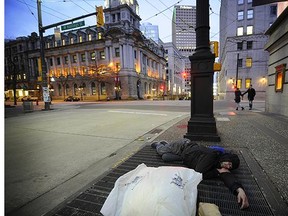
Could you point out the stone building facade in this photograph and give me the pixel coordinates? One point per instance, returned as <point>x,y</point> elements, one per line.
<point>115,61</point>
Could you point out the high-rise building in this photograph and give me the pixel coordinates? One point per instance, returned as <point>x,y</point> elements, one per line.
<point>150,31</point>
<point>184,36</point>
<point>242,40</point>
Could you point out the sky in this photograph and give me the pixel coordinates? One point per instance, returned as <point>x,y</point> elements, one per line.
<point>21,16</point>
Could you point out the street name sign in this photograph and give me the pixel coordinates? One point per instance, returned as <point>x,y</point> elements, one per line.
<point>72,25</point>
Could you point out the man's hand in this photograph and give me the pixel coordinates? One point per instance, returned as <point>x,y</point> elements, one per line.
<point>242,199</point>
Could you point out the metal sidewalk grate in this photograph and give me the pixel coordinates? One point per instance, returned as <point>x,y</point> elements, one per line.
<point>91,200</point>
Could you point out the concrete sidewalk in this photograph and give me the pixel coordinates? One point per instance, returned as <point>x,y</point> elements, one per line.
<point>261,140</point>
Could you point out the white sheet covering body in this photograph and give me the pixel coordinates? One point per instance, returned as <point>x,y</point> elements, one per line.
<point>161,191</point>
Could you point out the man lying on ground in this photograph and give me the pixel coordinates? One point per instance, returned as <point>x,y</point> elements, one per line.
<point>208,161</point>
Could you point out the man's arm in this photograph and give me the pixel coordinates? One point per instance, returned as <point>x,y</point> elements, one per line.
<point>235,187</point>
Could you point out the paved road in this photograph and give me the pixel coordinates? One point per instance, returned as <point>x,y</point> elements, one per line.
<point>50,155</point>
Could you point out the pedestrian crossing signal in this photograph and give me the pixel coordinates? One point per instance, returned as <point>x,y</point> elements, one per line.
<point>100,16</point>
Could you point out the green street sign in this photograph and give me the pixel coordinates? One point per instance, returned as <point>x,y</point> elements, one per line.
<point>72,25</point>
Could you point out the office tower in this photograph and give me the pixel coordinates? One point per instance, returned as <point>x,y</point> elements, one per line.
<point>150,31</point>
<point>184,36</point>
<point>242,40</point>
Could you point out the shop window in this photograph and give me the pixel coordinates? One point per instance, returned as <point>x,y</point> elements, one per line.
<point>248,82</point>
<point>279,77</point>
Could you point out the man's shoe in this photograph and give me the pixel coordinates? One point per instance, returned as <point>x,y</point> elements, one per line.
<point>164,142</point>
<point>242,108</point>
<point>250,108</point>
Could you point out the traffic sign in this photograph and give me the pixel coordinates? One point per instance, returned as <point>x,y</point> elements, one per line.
<point>73,25</point>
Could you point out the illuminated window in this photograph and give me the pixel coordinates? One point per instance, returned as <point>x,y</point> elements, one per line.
<point>240,31</point>
<point>249,30</point>
<point>80,39</point>
<point>240,2</point>
<point>89,37</point>
<point>240,15</point>
<point>71,40</point>
<point>239,83</point>
<point>248,82</point>
<point>248,62</point>
<point>279,77</point>
<point>99,35</point>
<point>63,42</point>
<point>92,55</point>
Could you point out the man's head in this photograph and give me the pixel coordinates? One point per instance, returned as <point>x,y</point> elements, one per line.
<point>229,161</point>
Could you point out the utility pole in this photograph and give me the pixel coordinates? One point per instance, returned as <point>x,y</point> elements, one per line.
<point>45,88</point>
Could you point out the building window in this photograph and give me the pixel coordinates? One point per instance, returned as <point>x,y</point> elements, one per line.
<point>239,45</point>
<point>58,61</point>
<point>239,62</point>
<point>250,14</point>
<point>117,52</point>
<point>89,37</point>
<point>249,30</point>
<point>92,56</point>
<point>71,40</point>
<point>239,83</point>
<point>240,15</point>
<point>248,62</point>
<point>249,1</point>
<point>249,45</point>
<point>93,88</point>
<point>273,10</point>
<point>248,82</point>
<point>66,59</point>
<point>279,77</point>
<point>74,59</point>
<point>83,57</point>
<point>102,55</point>
<point>99,35</point>
<point>240,2</point>
<point>51,61</point>
<point>240,31</point>
<point>80,39</point>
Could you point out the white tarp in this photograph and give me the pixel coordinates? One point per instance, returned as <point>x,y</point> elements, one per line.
<point>153,191</point>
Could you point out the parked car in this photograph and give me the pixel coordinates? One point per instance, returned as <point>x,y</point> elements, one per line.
<point>72,98</point>
<point>29,98</point>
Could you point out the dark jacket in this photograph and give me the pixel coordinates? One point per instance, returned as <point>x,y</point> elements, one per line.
<point>251,93</point>
<point>206,161</point>
<point>238,96</point>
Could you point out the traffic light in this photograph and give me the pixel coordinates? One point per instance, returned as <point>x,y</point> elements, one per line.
<point>214,48</point>
<point>100,16</point>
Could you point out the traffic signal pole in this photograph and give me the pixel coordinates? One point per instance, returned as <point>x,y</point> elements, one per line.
<point>41,28</point>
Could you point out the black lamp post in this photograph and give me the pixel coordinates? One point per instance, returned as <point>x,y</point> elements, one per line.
<point>202,124</point>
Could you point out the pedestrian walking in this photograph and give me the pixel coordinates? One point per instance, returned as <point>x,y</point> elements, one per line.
<point>211,162</point>
<point>251,94</point>
<point>237,99</point>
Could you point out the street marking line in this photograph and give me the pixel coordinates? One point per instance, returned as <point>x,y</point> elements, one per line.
<point>137,113</point>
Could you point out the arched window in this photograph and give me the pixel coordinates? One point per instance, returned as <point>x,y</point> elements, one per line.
<point>93,88</point>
